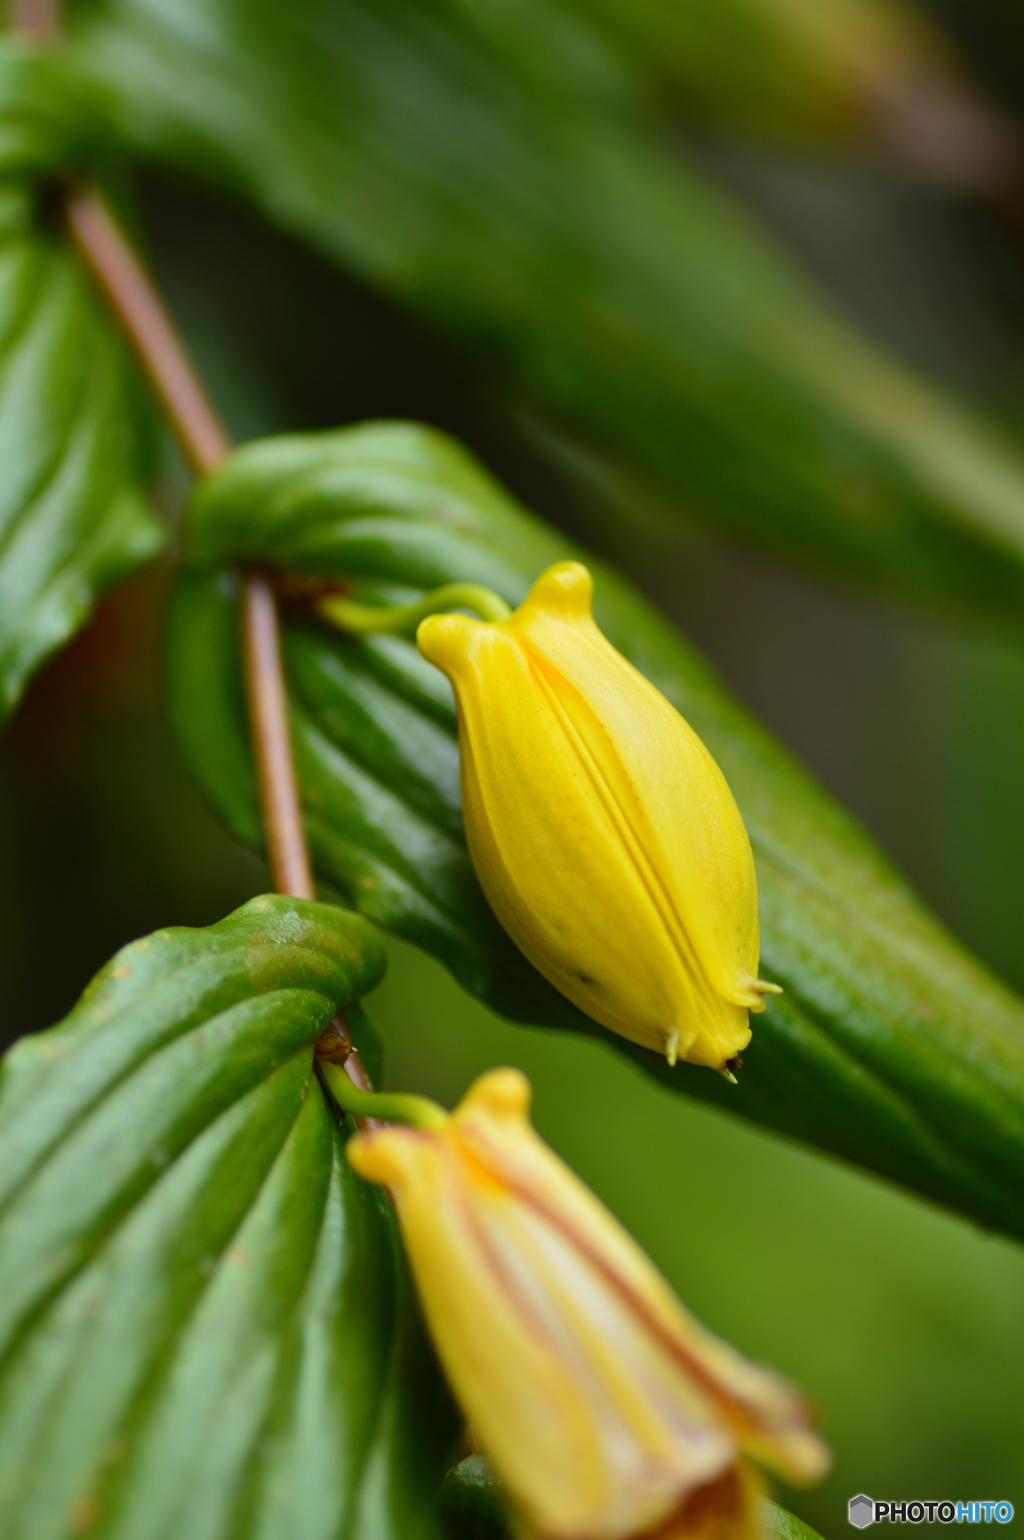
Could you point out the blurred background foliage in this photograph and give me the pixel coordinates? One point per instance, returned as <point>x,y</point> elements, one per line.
<point>881,146</point>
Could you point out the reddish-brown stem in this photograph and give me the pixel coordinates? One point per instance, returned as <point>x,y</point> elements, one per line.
<point>268,714</point>
<point>203,438</point>
<point>204,441</point>
<point>356,1072</point>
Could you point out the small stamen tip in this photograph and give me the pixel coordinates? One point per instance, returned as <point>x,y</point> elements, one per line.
<point>727,1069</point>
<point>672,1048</point>
<point>764,988</point>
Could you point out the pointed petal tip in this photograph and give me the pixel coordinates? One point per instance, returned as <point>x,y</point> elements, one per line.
<point>566,588</point>
<point>503,1092</point>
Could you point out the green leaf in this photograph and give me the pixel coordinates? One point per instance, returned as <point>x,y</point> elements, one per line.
<point>493,169</point>
<point>76,430</point>
<point>473,1507</point>
<point>783,1525</point>
<point>794,72</point>
<point>471,1503</point>
<point>206,1326</point>
<point>891,1046</point>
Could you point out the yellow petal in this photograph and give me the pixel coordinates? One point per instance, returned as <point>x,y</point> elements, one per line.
<point>728,1508</point>
<point>599,1401</point>
<point>603,833</point>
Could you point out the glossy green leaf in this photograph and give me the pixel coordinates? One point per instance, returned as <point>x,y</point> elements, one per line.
<point>206,1327</point>
<point>891,1046</point>
<point>76,433</point>
<point>494,170</point>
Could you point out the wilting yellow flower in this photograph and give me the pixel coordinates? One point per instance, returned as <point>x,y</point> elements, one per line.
<point>604,1408</point>
<point>604,835</point>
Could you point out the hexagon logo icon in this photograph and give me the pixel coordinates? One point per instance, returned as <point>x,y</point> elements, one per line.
<point>862,1511</point>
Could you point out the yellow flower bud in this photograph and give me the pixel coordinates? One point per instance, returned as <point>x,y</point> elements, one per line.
<point>603,833</point>
<point>604,1408</point>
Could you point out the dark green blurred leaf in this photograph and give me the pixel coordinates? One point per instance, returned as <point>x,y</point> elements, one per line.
<point>993,30</point>
<point>492,168</point>
<point>837,68</point>
<point>891,1046</point>
<point>75,427</point>
<point>205,1327</point>
<point>881,74</point>
<point>50,120</point>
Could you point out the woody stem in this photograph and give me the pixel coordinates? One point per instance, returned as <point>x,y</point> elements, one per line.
<point>204,441</point>
<point>132,296</point>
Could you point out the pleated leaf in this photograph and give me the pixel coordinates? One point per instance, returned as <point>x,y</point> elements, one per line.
<point>495,171</point>
<point>206,1327</point>
<point>76,432</point>
<point>891,1046</point>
